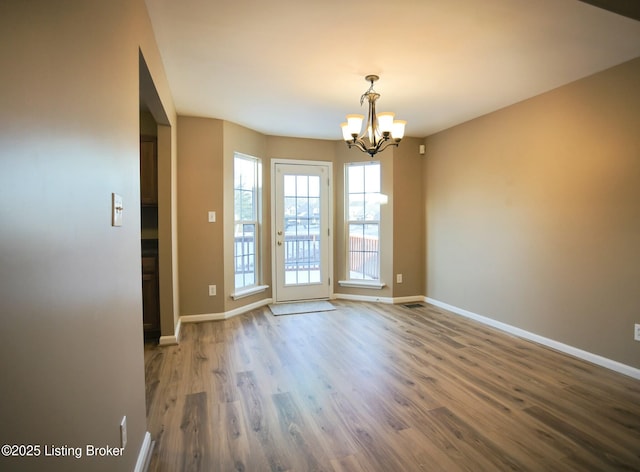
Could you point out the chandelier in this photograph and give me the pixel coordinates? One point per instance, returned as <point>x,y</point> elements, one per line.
<point>381,130</point>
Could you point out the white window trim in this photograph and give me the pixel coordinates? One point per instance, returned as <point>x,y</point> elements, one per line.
<point>374,284</point>
<point>248,291</point>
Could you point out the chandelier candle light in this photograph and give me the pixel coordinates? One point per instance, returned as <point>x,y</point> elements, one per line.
<point>381,130</point>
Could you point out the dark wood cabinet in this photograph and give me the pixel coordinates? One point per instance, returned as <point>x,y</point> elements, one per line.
<point>150,297</point>
<point>148,170</point>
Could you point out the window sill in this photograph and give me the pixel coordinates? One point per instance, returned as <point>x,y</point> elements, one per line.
<point>373,284</point>
<point>249,291</point>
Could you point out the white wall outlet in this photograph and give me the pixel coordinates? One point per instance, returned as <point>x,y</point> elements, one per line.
<point>636,332</point>
<point>116,210</point>
<point>123,432</point>
<point>399,278</point>
<point>212,217</point>
<point>212,290</point>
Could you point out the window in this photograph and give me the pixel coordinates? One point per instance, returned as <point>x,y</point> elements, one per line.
<point>363,221</point>
<point>247,180</point>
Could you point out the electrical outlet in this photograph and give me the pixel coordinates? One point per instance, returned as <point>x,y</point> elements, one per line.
<point>399,278</point>
<point>123,432</point>
<point>636,332</point>
<point>212,290</point>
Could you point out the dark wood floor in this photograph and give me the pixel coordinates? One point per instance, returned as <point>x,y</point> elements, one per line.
<point>372,387</point>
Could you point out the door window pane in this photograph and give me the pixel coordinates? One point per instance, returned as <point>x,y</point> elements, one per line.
<point>302,228</point>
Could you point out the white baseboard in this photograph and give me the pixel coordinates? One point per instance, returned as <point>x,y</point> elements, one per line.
<point>224,315</point>
<point>412,299</point>
<point>173,339</point>
<point>202,317</point>
<point>374,299</point>
<point>145,454</point>
<point>362,298</point>
<point>573,351</point>
<point>244,309</point>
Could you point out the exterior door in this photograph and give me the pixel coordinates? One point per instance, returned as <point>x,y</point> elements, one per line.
<point>302,243</point>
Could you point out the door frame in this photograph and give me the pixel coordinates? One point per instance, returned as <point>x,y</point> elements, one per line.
<point>330,203</point>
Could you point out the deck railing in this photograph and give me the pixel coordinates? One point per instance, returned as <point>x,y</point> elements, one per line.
<point>363,256</point>
<point>303,252</point>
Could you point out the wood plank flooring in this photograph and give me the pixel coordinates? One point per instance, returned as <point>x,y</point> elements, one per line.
<point>372,387</point>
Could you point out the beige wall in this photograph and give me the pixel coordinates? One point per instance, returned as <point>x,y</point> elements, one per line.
<point>534,215</point>
<point>205,173</point>
<point>70,300</point>
<point>408,219</point>
<point>200,243</point>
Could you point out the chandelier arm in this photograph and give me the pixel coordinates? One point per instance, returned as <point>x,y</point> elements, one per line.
<point>388,143</point>
<point>383,144</point>
<point>358,144</point>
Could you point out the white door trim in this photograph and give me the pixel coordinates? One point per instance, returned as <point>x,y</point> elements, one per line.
<point>329,166</point>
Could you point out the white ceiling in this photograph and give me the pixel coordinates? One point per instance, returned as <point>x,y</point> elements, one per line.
<point>296,67</point>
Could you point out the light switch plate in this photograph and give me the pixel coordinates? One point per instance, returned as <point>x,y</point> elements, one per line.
<point>116,210</point>
<point>212,217</point>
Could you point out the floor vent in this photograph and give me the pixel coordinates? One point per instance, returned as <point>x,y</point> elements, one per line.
<point>413,305</point>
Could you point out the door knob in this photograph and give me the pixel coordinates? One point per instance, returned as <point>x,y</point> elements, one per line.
<point>279,233</point>
<point>279,243</point>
